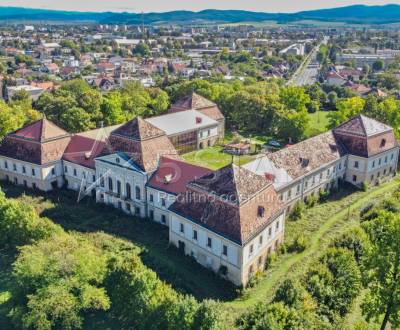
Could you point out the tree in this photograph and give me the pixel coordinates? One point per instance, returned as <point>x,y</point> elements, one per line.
<point>347,109</point>
<point>334,282</point>
<point>332,99</point>
<point>58,280</point>
<point>76,120</point>
<point>378,65</point>
<point>382,269</point>
<point>142,49</point>
<point>20,224</point>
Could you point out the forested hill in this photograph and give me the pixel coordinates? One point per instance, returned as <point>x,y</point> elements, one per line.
<point>352,14</point>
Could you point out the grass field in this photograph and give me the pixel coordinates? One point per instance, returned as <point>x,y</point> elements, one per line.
<point>319,225</point>
<point>318,123</point>
<point>214,158</point>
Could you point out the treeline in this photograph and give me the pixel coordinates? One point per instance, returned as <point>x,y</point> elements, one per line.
<point>68,280</point>
<point>259,108</point>
<point>366,257</point>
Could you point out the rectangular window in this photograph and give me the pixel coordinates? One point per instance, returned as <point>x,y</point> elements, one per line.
<point>23,169</point>
<point>14,167</point>
<point>163,203</point>
<point>53,171</point>
<point>195,235</point>
<point>128,207</point>
<point>6,164</point>
<point>163,219</point>
<point>225,250</point>
<point>380,161</point>
<point>209,242</point>
<point>251,250</point>
<point>356,164</point>
<point>65,169</point>
<point>75,173</point>
<point>151,198</point>
<point>33,172</point>
<point>354,178</point>
<point>269,231</point>
<point>182,228</point>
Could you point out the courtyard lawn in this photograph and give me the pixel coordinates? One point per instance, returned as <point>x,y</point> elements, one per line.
<point>318,123</point>
<point>215,159</point>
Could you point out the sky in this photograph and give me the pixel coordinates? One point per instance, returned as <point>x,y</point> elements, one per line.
<point>169,5</point>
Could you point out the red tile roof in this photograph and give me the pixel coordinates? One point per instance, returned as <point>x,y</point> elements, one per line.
<point>83,150</point>
<point>40,143</point>
<point>143,142</point>
<point>40,131</point>
<point>214,203</point>
<point>197,102</point>
<point>173,175</point>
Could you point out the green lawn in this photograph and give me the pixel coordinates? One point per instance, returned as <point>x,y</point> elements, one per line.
<point>214,158</point>
<point>318,123</point>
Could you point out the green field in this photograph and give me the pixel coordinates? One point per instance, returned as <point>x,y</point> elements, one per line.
<point>319,225</point>
<point>318,123</point>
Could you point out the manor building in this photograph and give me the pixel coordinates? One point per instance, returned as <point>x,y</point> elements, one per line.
<point>229,220</point>
<point>361,150</point>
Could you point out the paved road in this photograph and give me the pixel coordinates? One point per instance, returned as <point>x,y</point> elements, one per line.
<point>307,73</point>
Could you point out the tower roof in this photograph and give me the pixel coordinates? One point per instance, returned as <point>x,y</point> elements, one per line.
<point>138,129</point>
<point>362,126</point>
<point>41,131</point>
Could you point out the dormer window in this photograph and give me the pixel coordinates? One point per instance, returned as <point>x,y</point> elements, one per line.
<point>383,143</point>
<point>261,211</point>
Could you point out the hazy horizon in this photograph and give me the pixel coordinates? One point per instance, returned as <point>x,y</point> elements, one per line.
<point>272,6</point>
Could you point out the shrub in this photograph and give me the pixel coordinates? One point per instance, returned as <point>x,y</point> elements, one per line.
<point>323,196</point>
<point>298,245</point>
<point>312,200</point>
<point>297,212</point>
<point>364,186</point>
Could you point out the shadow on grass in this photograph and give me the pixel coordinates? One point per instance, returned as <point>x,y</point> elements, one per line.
<point>183,273</point>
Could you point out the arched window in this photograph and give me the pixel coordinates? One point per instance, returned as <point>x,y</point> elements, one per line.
<point>128,191</point>
<point>110,184</point>
<point>137,192</point>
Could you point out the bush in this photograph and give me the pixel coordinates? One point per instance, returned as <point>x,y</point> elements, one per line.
<point>364,186</point>
<point>297,212</point>
<point>312,200</point>
<point>323,196</point>
<point>298,245</point>
<point>355,240</point>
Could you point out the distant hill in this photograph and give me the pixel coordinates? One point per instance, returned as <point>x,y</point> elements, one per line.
<point>358,14</point>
